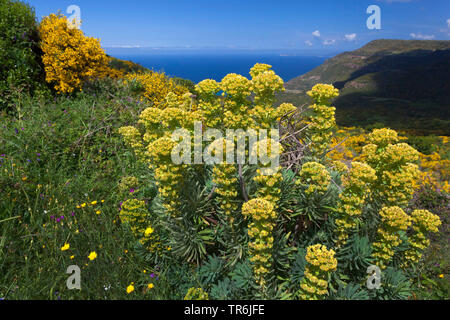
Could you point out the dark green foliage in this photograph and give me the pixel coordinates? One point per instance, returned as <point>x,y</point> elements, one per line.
<point>425,144</point>
<point>395,285</point>
<point>298,267</point>
<point>222,290</point>
<point>21,69</point>
<point>350,292</point>
<point>185,83</point>
<point>126,66</point>
<point>355,256</point>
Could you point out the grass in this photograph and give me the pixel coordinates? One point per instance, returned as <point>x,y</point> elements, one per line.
<point>58,155</point>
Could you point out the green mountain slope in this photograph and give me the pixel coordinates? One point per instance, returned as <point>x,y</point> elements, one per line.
<point>403,84</point>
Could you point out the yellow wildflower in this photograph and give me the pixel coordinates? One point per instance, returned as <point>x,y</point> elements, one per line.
<point>92,255</point>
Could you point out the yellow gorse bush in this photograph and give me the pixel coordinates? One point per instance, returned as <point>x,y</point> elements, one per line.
<point>321,262</point>
<point>70,58</point>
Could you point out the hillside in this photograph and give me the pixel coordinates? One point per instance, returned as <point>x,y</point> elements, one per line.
<point>404,84</point>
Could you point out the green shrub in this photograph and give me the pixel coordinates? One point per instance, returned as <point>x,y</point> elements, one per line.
<point>20,65</point>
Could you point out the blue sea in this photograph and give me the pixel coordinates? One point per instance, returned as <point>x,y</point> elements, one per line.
<point>199,66</point>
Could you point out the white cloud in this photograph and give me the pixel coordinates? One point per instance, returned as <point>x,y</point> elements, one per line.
<point>350,37</point>
<point>329,42</point>
<point>316,34</point>
<point>308,43</point>
<point>421,36</point>
<point>448,23</point>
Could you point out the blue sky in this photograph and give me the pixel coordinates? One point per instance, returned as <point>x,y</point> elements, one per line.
<point>253,24</point>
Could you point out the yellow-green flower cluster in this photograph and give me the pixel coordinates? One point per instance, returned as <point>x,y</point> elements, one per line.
<point>127,183</point>
<point>150,240</point>
<point>225,178</point>
<point>207,88</point>
<point>323,93</point>
<point>260,230</point>
<point>134,213</point>
<point>196,294</point>
<point>169,176</point>
<point>322,120</point>
<point>265,117</point>
<point>209,104</point>
<point>236,108</point>
<point>236,86</point>
<point>393,220</point>
<point>383,137</point>
<point>340,166</point>
<point>265,85</point>
<point>156,86</point>
<point>285,109</point>
<point>321,262</point>
<point>356,183</point>
<point>259,68</point>
<point>268,176</point>
<point>315,177</point>
<point>133,138</point>
<point>150,120</point>
<point>394,165</point>
<point>423,223</point>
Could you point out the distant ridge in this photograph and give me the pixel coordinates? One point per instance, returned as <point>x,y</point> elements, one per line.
<point>403,84</point>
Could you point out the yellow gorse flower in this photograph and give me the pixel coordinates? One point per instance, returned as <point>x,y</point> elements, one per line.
<point>130,288</point>
<point>92,256</point>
